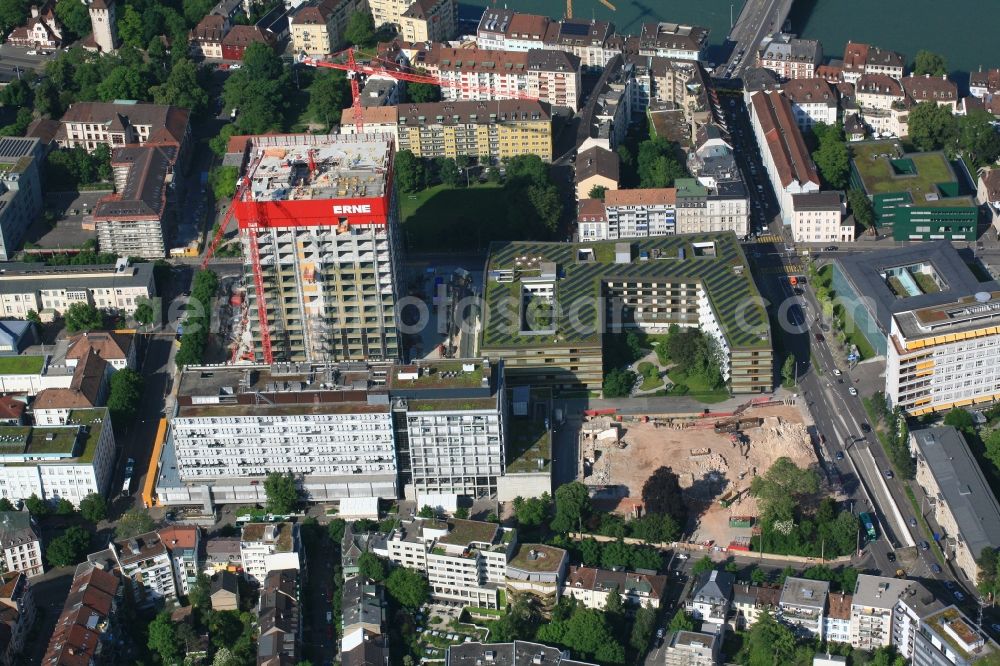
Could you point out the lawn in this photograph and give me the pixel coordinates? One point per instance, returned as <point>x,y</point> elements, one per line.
<point>21,365</point>
<point>443,218</point>
<point>857,337</point>
<point>879,176</point>
<point>650,376</point>
<point>696,388</point>
<point>528,441</point>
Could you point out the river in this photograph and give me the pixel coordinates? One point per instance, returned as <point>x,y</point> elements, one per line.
<point>963,31</point>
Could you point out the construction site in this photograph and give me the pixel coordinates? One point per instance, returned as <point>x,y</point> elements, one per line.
<point>715,456</point>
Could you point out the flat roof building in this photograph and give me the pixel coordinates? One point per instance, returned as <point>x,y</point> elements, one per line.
<point>518,653</point>
<point>803,605</point>
<point>20,191</point>
<point>949,638</point>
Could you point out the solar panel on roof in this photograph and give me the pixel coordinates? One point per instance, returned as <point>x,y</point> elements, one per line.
<point>15,147</point>
<point>575,28</point>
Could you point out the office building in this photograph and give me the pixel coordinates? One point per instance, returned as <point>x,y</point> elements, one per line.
<point>20,191</point>
<point>319,227</point>
<point>872,607</point>
<point>89,124</point>
<point>50,290</point>
<point>949,638</point>
<point>917,195</point>
<point>692,648</point>
<point>790,57</point>
<point>711,596</point>
<point>58,462</point>
<point>317,28</point>
<point>691,280</point>
<point>269,547</point>
<point>789,167</point>
<point>22,547</point>
<point>429,21</point>
<point>518,653</point>
<point>965,508</point>
<point>145,560</point>
<point>673,40</point>
<point>592,587</point>
<point>464,560</point>
<point>279,619</point>
<point>87,629</point>
<point>813,101</point>
<point>802,606</point>
<point>819,217</point>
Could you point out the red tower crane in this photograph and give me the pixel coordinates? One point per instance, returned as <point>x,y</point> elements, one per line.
<point>355,70</point>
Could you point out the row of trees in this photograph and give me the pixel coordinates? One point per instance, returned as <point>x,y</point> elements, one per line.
<point>198,321</point>
<point>73,167</point>
<point>934,127</point>
<point>414,173</point>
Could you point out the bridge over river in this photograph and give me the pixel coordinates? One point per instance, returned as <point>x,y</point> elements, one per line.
<point>757,19</point>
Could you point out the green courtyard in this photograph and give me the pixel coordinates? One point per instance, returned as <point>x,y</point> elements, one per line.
<point>443,218</point>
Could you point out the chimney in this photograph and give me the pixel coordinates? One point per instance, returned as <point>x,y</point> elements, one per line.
<point>34,11</point>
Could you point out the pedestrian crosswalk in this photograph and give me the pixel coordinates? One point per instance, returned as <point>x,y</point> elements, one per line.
<point>770,238</point>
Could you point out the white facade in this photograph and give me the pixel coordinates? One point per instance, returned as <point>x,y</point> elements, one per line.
<point>146,561</point>
<point>818,218</point>
<point>52,290</point>
<point>22,547</point>
<point>636,214</point>
<point>266,547</point>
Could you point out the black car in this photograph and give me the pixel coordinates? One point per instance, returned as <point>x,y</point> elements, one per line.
<point>891,556</point>
<point>924,545</point>
<point>865,427</point>
<point>839,456</point>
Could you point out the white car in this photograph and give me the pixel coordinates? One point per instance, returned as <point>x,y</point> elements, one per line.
<point>837,372</point>
<point>236,65</point>
<point>31,52</point>
<point>852,391</point>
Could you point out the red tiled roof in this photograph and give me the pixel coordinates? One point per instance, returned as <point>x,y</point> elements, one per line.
<point>930,88</point>
<point>109,345</point>
<point>991,179</point>
<point>79,629</point>
<point>179,536</point>
<point>784,140</point>
<point>245,35</point>
<point>591,210</point>
<point>531,26</point>
<point>855,57</point>
<point>879,84</point>
<point>10,407</point>
<point>809,91</point>
<point>644,197</point>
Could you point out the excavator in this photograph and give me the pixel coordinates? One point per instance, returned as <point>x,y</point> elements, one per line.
<point>569,7</point>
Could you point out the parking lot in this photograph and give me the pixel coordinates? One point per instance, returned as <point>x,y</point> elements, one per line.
<point>70,210</point>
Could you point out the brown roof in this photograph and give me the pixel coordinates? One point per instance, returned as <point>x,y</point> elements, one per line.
<point>810,91</point>
<point>831,73</point>
<point>839,606</point>
<point>879,84</point>
<point>78,630</point>
<point>597,161</point>
<point>528,26</point>
<point>884,58</point>
<point>159,117</point>
<point>990,79</point>
<point>372,115</point>
<point>11,408</point>
<point>991,179</point>
<point>245,35</point>
<point>210,29</point>
<point>84,390</point>
<point>784,140</point>
<point>312,14</point>
<point>109,345</point>
<point>139,548</point>
<point>179,536</point>
<point>930,88</point>
<point>421,9</point>
<point>442,57</point>
<point>468,112</point>
<point>855,57</point>
<point>61,398</point>
<point>591,210</point>
<point>590,578</point>
<point>644,197</point>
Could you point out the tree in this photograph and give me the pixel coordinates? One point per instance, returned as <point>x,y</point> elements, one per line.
<point>960,419</point>
<point>222,180</point>
<point>655,528</point>
<point>757,576</point>
<point>661,493</point>
<point>703,565</point>
<point>16,94</point>
<point>335,530</point>
<point>642,629</point>
<point>410,173</point>
<point>419,93</point>
<point>64,507</point>
<point>372,567</point>
<point>427,511</point>
<point>12,14</point>
<point>34,318</point>
<point>657,163</point>
<point>143,311</point>
<point>977,138</point>
<point>597,192</point>
<point>616,554</point>
<point>532,512</point>
<point>37,507</point>
<point>123,83</point>
<point>68,548</point>
<point>5,505</point>
<point>163,639</point>
<point>124,396</point>
<point>572,506</point>
<point>861,206</point>
<point>590,552</point>
<point>327,96</point>
<point>618,383</point>
<point>282,493</point>
<point>407,587</point>
<point>133,523</point>
<point>83,316</point>
<point>200,593</point>
<point>832,157</point>
<point>462,512</point>
<point>927,62</point>
<point>781,487</point>
<point>646,558</point>
<point>933,127</point>
<point>360,29</point>
<point>788,370</point>
<point>681,621</point>
<point>768,642</point>
<point>447,171</point>
<point>182,87</point>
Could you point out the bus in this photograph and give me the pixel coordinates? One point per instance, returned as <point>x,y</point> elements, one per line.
<point>869,526</point>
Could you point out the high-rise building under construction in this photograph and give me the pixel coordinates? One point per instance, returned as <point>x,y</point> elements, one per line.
<point>319,223</point>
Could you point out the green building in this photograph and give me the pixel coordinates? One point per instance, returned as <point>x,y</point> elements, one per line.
<point>916,195</point>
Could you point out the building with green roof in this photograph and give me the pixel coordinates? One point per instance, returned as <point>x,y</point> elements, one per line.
<point>917,195</point>
<point>547,306</point>
<point>58,462</point>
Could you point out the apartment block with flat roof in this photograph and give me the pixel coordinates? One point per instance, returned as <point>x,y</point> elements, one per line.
<point>268,547</point>
<point>673,40</point>
<point>872,607</point>
<point>949,638</point>
<point>802,606</point>
<point>638,213</point>
<point>915,605</point>
<point>429,21</point>
<point>20,191</point>
<point>144,559</point>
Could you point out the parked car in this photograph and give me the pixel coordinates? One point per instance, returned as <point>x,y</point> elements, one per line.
<point>936,568</point>
<point>837,372</point>
<point>852,391</point>
<point>888,474</point>
<point>31,52</point>
<point>865,427</point>
<point>236,65</point>
<point>891,556</point>
<point>912,522</point>
<point>958,595</point>
<point>839,456</point>
<point>820,337</point>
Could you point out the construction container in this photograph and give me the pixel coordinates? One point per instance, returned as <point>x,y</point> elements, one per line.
<point>741,521</point>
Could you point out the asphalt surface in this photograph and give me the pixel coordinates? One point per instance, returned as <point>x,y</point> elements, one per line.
<point>758,19</point>
<point>16,63</point>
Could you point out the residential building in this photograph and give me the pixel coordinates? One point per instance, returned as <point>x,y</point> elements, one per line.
<point>591,220</point>
<point>790,57</point>
<point>802,606</point>
<point>988,193</point>
<point>17,616</point>
<point>915,605</point>
<point>927,88</point>
<point>50,290</point>
<point>363,606</point>
<point>813,101</point>
<point>131,222</point>
<point>429,21</point>
<point>239,37</point>
<point>42,31</point>
<point>711,596</point>
<point>636,288</point>
<point>20,191</point>
<point>104,23</point>
<point>716,201</point>
<point>269,547</point>
<point>671,83</point>
<point>590,41</point>
<point>837,620</point>
<point>363,649</point>
<point>279,618</point>
<point>88,626</point>
<point>599,167</point>
<point>89,124</point>
<point>317,27</point>
<point>356,544</point>
<point>332,195</point>
<point>388,11</point>
<point>819,217</point>
<point>182,542</point>
<point>965,508</point>
<point>949,638</point>
<point>145,560</point>
<point>692,648</point>
<point>400,414</point>
<point>222,554</point>
<point>860,59</point>
<point>673,40</point>
<point>750,601</point>
<point>205,39</point>
<point>610,110</point>
<point>59,462</point>
<point>225,594</point>
<point>381,92</point>
<point>789,167</point>
<point>592,586</point>
<point>491,33</point>
<point>984,83</point>
<point>518,653</point>
<point>11,410</point>
<point>88,389</point>
<point>537,571</point>
<point>464,560</point>
<point>115,347</point>
<point>916,194</point>
<point>22,547</point>
<point>507,30</point>
<point>872,610</point>
<point>554,77</point>
<point>639,213</point>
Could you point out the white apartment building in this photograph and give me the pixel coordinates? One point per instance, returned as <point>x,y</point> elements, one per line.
<point>637,214</point>
<point>692,648</point>
<point>58,462</point>
<point>818,217</point>
<point>20,191</point>
<point>802,606</point>
<point>813,101</point>
<point>672,40</point>
<point>464,560</point>
<point>182,542</point>
<point>789,167</point>
<point>751,601</point>
<point>50,290</point>
<point>89,124</point>
<point>872,610</point>
<point>949,638</point>
<point>266,547</point>
<point>837,619</point>
<point>505,29</point>
<point>915,605</point>
<point>22,547</point>
<point>716,201</point>
<point>711,597</point>
<point>144,559</point>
